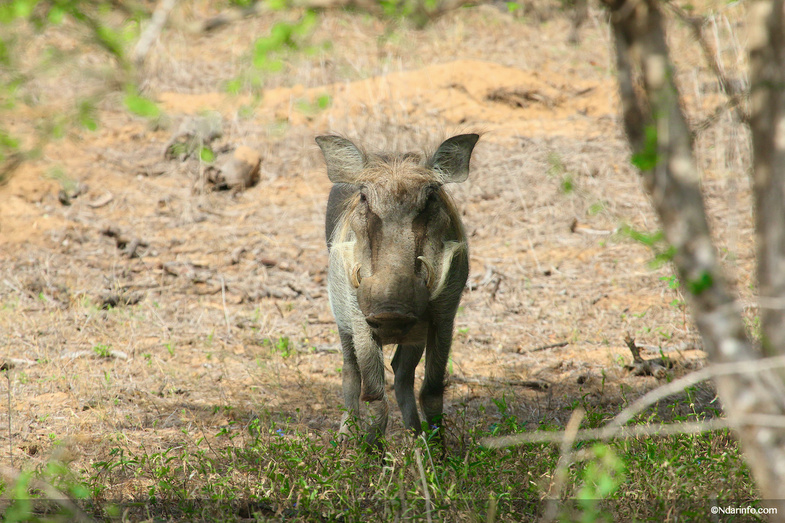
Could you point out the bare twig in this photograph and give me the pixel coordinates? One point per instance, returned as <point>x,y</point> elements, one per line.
<point>706,373</point>
<point>735,93</point>
<point>538,385</point>
<point>637,431</point>
<point>6,367</point>
<point>640,367</point>
<point>426,492</point>
<point>226,312</point>
<point>151,33</point>
<point>563,465</point>
<point>545,347</point>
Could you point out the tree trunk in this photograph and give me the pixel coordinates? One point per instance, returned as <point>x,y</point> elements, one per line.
<point>662,149</point>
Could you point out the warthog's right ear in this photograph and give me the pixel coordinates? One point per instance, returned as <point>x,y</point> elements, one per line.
<point>452,157</point>
<point>344,160</point>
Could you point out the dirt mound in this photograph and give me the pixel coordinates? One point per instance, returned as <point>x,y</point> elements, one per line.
<point>460,93</point>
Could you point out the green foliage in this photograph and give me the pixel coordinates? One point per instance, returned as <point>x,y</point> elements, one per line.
<point>283,347</point>
<point>646,159</point>
<point>87,114</point>
<point>206,154</point>
<point>321,103</point>
<point>556,169</point>
<point>8,145</point>
<point>663,252</point>
<point>48,490</point>
<point>567,184</point>
<point>602,476</point>
<point>23,20</point>
<point>596,208</point>
<point>649,239</point>
<point>700,284</point>
<point>673,284</point>
<point>140,105</point>
<point>103,351</point>
<point>271,466</point>
<point>268,50</point>
<point>419,12</point>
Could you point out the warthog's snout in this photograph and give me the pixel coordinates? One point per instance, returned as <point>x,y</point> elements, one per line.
<point>392,304</point>
<point>391,324</point>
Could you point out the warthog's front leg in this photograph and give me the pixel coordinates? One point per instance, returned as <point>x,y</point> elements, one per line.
<point>404,363</point>
<point>437,354</point>
<point>370,361</point>
<point>351,383</point>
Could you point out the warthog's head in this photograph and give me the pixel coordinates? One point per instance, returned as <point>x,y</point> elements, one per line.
<point>395,228</point>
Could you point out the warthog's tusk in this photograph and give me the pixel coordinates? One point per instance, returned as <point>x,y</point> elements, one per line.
<point>356,278</point>
<point>431,273</point>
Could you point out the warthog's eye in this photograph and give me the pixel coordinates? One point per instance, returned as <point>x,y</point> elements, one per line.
<point>363,201</point>
<point>431,197</point>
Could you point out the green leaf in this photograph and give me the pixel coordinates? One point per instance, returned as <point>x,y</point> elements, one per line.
<point>6,14</point>
<point>305,25</point>
<point>23,8</point>
<point>648,239</point>
<point>272,66</point>
<point>141,106</point>
<point>281,34</point>
<point>56,14</point>
<point>58,129</point>
<point>7,141</point>
<point>701,283</point>
<point>323,101</point>
<point>567,184</point>
<point>206,154</point>
<point>647,158</point>
<point>111,40</point>
<point>233,86</point>
<point>5,57</point>
<point>87,115</point>
<point>663,257</point>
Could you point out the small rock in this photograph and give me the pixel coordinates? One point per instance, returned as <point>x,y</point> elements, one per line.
<point>238,171</point>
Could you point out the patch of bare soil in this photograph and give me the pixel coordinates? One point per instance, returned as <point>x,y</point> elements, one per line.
<point>151,309</point>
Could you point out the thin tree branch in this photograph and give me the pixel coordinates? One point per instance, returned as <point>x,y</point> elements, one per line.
<point>637,431</point>
<point>153,31</point>
<point>736,95</point>
<point>706,373</point>
<point>662,149</point>
<point>563,465</point>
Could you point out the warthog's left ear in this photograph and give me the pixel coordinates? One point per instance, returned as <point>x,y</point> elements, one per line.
<point>452,157</point>
<point>344,160</point>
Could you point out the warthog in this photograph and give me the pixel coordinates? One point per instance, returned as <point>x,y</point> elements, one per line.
<point>398,265</point>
